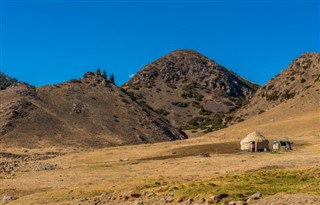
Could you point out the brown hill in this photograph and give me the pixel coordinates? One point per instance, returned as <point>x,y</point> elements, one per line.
<point>190,90</point>
<point>300,80</point>
<point>90,112</point>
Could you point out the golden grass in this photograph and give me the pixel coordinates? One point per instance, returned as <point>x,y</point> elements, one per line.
<point>268,182</point>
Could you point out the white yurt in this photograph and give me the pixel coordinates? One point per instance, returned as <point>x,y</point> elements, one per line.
<point>255,142</point>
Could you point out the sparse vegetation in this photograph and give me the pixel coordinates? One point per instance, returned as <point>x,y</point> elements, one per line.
<point>273,96</point>
<point>75,81</point>
<point>267,182</point>
<point>162,112</point>
<point>210,124</point>
<point>180,104</point>
<point>287,95</point>
<point>6,81</point>
<point>204,111</point>
<point>192,94</point>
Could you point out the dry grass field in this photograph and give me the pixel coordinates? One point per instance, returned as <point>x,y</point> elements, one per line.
<point>175,172</point>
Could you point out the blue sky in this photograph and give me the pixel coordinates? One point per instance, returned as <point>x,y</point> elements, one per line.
<point>47,42</point>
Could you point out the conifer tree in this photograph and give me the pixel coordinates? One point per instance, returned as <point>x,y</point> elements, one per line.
<point>104,74</point>
<point>98,72</point>
<point>111,79</point>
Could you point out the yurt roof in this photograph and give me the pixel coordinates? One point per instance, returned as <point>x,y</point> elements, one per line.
<point>253,137</point>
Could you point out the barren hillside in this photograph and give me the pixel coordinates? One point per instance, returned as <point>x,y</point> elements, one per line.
<point>90,112</point>
<point>301,80</point>
<point>189,89</point>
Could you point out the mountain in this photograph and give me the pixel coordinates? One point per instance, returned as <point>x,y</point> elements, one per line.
<point>90,112</point>
<point>190,90</point>
<point>301,80</point>
<point>6,81</point>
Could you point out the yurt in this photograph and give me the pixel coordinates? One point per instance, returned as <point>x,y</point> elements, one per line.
<point>255,142</point>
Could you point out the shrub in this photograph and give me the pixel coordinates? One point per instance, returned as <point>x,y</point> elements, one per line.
<point>180,104</point>
<point>270,87</point>
<point>75,81</point>
<point>171,86</point>
<point>192,94</point>
<point>204,111</point>
<point>303,80</point>
<point>293,72</point>
<point>162,112</point>
<point>288,95</point>
<point>214,123</point>
<point>272,97</point>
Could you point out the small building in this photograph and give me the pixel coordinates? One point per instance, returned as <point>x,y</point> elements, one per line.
<point>282,145</point>
<point>255,142</point>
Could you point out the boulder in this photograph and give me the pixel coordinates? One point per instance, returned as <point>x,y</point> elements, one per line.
<point>217,198</point>
<point>168,198</point>
<point>257,196</point>
<point>213,199</point>
<point>6,199</point>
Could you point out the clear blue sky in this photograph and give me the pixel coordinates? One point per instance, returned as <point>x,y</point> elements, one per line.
<point>47,42</point>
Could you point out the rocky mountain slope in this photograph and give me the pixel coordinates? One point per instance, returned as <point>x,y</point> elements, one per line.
<point>190,90</point>
<point>300,80</point>
<point>90,112</point>
<point>6,81</point>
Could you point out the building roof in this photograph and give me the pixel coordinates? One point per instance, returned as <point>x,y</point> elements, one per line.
<point>253,137</point>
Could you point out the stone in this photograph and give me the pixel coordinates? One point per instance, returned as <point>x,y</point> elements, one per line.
<point>213,199</point>
<point>150,194</point>
<point>135,194</point>
<point>257,195</point>
<point>169,198</point>
<point>6,199</point>
<point>251,199</point>
<point>232,203</point>
<point>201,200</point>
<point>181,199</point>
<point>189,201</point>
<point>217,198</point>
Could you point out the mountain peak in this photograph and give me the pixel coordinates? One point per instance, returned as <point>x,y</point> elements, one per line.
<point>184,83</point>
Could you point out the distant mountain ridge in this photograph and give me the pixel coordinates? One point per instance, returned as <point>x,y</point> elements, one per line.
<point>189,89</point>
<point>183,89</point>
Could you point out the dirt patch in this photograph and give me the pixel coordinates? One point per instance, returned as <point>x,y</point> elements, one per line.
<point>203,150</point>
<point>289,199</point>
